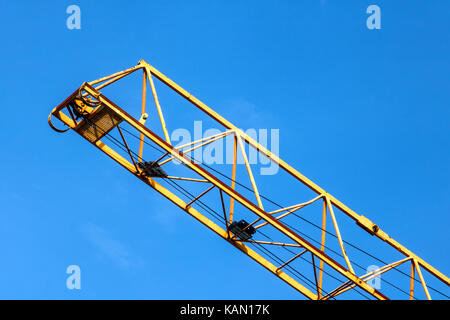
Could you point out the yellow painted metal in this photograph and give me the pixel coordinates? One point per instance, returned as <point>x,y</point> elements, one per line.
<point>233,178</point>
<point>411,287</point>
<point>292,259</point>
<point>218,135</point>
<point>144,98</point>
<point>379,233</point>
<point>128,71</point>
<point>248,226</point>
<point>322,244</point>
<point>238,197</point>
<point>422,280</point>
<point>297,206</point>
<point>128,148</point>
<point>274,243</point>
<point>257,209</point>
<point>338,234</point>
<point>158,106</point>
<point>349,285</point>
<point>249,170</point>
<point>186,179</point>
<point>194,213</point>
<point>291,209</point>
<point>208,141</point>
<point>200,195</point>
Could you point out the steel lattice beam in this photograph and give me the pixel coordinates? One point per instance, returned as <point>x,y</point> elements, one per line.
<point>87,92</point>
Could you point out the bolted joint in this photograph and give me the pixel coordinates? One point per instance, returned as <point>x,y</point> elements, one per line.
<point>143,118</point>
<point>367,225</point>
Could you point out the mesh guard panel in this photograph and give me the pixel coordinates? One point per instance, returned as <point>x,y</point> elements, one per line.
<point>99,123</point>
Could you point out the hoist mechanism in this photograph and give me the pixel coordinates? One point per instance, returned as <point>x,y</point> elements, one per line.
<point>152,169</point>
<point>242,229</point>
<point>108,127</point>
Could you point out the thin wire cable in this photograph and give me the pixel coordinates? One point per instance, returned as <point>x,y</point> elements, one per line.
<point>325,272</point>
<point>264,197</point>
<point>340,255</point>
<point>277,259</point>
<point>306,220</point>
<point>206,207</point>
<point>270,253</point>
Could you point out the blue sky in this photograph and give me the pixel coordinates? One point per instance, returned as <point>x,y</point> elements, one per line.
<point>363,113</point>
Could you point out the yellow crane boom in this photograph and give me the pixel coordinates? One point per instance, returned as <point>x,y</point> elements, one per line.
<point>92,115</point>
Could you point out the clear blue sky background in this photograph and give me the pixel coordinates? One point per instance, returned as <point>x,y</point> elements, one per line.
<point>363,113</point>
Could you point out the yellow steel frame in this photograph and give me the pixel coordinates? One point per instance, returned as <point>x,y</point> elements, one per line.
<point>91,91</point>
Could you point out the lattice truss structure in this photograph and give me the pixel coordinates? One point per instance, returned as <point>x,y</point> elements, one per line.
<point>301,242</point>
